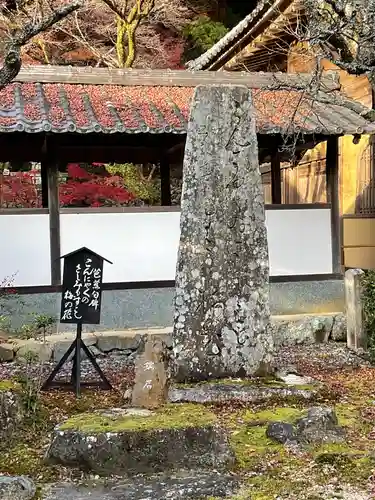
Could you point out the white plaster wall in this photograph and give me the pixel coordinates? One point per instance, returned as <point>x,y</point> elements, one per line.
<point>24,249</point>
<point>143,245</point>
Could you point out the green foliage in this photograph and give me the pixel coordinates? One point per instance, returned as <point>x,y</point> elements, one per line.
<point>368,287</point>
<point>201,35</point>
<point>43,321</point>
<point>145,188</point>
<point>30,392</point>
<point>40,326</point>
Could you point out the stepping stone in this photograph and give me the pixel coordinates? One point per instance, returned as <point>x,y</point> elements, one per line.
<point>16,488</point>
<point>224,393</point>
<point>129,443</point>
<point>187,486</point>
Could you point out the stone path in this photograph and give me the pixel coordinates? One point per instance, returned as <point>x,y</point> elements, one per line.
<point>188,486</point>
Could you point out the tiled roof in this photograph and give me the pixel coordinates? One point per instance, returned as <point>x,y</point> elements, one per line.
<point>264,11</point>
<point>102,108</point>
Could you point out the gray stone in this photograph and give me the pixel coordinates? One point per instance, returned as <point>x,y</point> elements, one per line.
<point>281,432</point>
<point>136,451</point>
<point>221,393</point>
<point>34,350</point>
<point>61,344</point>
<point>6,351</point>
<point>293,379</point>
<point>183,486</point>
<point>339,328</point>
<point>356,331</point>
<point>118,341</point>
<point>320,426</point>
<point>304,329</point>
<point>222,286</point>
<point>151,375</point>
<point>16,488</point>
<point>11,412</point>
<point>95,351</point>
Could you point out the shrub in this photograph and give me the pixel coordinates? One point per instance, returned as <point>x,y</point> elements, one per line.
<point>368,295</point>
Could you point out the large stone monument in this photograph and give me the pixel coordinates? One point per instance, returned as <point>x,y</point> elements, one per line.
<point>222,278</point>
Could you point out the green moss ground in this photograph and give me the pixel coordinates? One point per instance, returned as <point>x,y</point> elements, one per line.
<point>170,417</point>
<point>267,468</point>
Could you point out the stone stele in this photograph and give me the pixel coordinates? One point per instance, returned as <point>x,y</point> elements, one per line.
<point>222,277</point>
<point>151,375</point>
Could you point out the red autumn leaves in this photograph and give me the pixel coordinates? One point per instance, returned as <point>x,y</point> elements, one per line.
<point>81,189</point>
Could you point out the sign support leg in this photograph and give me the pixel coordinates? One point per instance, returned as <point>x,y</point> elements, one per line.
<point>75,382</point>
<point>76,370</point>
<point>48,383</point>
<point>97,368</point>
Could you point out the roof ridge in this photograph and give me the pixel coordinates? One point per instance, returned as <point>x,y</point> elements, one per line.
<point>165,78</point>
<point>260,11</point>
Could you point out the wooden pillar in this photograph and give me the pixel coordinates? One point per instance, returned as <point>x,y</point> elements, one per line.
<point>333,197</point>
<point>44,184</point>
<point>165,182</point>
<point>51,170</point>
<point>275,177</point>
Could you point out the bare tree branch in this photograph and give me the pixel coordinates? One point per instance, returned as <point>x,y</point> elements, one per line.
<point>21,35</point>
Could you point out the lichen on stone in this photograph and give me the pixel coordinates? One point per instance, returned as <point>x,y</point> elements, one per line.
<point>222,294</point>
<point>8,385</point>
<point>167,417</point>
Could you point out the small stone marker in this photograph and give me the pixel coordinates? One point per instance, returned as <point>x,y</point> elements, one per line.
<point>222,278</point>
<point>356,335</point>
<point>151,375</point>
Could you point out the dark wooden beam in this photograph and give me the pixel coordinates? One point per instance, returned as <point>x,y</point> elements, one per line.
<point>275,177</point>
<point>109,154</point>
<point>52,170</point>
<point>333,197</point>
<point>165,182</point>
<point>44,183</point>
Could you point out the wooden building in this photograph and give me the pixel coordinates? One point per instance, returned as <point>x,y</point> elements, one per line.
<point>56,115</point>
<point>267,40</point>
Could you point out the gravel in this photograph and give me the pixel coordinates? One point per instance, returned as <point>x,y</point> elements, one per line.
<point>112,365</point>
<point>302,359</point>
<point>330,356</point>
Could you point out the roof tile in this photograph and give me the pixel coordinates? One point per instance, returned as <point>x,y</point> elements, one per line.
<point>62,107</point>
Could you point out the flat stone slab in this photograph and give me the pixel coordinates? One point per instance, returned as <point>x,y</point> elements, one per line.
<point>174,438</point>
<point>16,488</point>
<point>183,486</point>
<point>224,393</point>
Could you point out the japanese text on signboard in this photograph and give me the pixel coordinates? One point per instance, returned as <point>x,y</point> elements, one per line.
<point>81,295</point>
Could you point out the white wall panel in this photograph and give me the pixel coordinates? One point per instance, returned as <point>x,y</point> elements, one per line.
<point>25,250</point>
<point>143,245</point>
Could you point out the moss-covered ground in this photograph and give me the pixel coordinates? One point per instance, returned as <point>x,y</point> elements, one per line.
<point>268,469</point>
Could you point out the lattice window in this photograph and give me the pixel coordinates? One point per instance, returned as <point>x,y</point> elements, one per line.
<point>365,193</point>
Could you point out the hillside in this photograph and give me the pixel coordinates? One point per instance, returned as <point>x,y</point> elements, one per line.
<point>169,33</point>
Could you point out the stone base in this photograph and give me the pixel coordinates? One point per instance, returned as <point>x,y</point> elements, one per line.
<point>217,393</point>
<point>132,442</point>
<point>182,486</point>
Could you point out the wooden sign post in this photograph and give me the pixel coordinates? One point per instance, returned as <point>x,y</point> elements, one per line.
<point>80,304</point>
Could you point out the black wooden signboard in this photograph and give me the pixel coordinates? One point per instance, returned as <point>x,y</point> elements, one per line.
<point>81,290</point>
<point>80,304</point>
